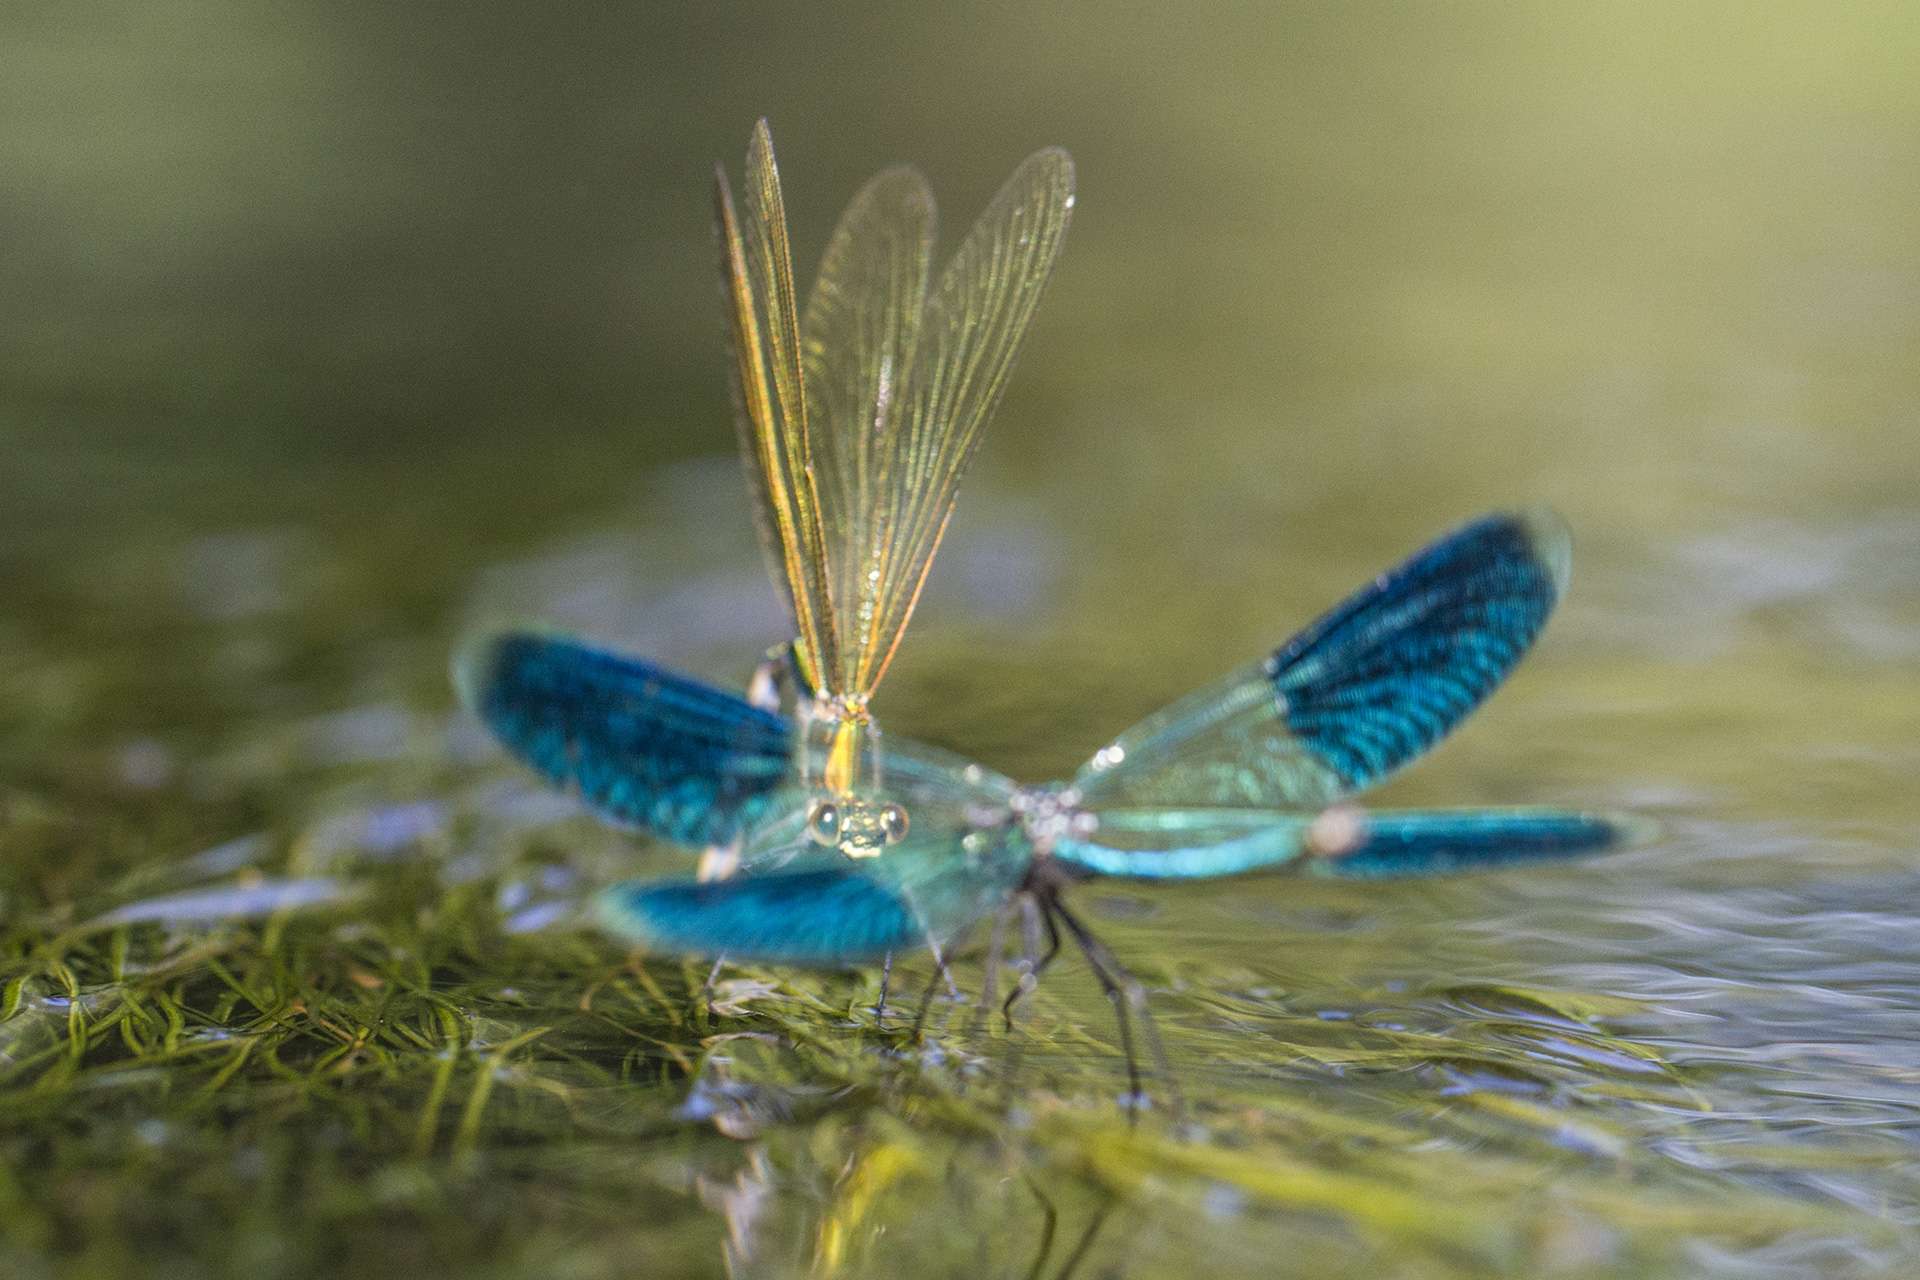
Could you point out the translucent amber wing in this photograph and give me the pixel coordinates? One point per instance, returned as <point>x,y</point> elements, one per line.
<point>858,333</point>
<point>770,392</point>
<point>976,316</point>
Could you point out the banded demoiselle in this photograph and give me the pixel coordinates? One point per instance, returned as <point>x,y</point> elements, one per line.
<point>858,417</point>
<point>847,851</point>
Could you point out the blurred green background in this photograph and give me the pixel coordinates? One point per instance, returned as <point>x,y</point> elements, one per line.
<point>1649,261</point>
<point>326,330</point>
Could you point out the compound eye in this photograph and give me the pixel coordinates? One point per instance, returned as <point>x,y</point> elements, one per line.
<point>893,821</point>
<point>823,823</point>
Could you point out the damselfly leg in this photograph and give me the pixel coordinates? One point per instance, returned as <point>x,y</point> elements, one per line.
<point>886,979</point>
<point>1128,997</point>
<point>1034,917</point>
<point>941,973</point>
<point>990,977</point>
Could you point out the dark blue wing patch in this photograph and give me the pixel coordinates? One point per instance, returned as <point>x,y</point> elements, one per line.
<point>1391,670</point>
<point>818,917</point>
<point>684,760</point>
<point>1436,843</point>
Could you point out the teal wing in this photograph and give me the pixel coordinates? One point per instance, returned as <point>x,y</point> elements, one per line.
<point>674,756</point>
<point>795,901</point>
<point>640,744</point>
<point>1348,844</point>
<point>1186,844</point>
<point>824,915</point>
<point>1360,693</point>
<point>817,907</point>
<point>1410,842</point>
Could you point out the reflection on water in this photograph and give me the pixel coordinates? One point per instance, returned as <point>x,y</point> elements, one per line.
<point>326,342</point>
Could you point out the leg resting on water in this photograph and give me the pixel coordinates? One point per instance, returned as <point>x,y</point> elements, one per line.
<point>1126,995</point>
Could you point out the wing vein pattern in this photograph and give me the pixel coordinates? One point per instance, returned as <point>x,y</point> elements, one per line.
<point>860,418</point>
<point>1359,694</point>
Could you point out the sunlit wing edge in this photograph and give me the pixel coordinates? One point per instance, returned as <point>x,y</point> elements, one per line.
<point>770,394</point>
<point>978,314</point>
<point>858,333</point>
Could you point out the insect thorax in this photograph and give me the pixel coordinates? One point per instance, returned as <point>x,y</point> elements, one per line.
<point>841,755</point>
<point>1051,813</point>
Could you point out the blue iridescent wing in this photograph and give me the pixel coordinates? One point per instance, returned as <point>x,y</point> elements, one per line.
<point>1357,695</point>
<point>822,908</point>
<point>1192,844</point>
<point>1186,844</point>
<point>826,915</point>
<point>678,758</point>
<point>795,901</point>
<point>798,902</point>
<point>1411,842</point>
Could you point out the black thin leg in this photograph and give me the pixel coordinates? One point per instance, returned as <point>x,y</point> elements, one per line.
<point>1047,957</point>
<point>1029,910</point>
<point>1053,946</point>
<point>990,979</point>
<point>926,1003</point>
<point>886,977</point>
<point>1124,992</point>
<point>1034,964</point>
<point>1137,997</point>
<point>940,973</point>
<point>1116,996</point>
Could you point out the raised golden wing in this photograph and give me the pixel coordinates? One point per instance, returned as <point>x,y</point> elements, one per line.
<point>861,325</point>
<point>770,395</point>
<point>859,422</point>
<point>968,339</point>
